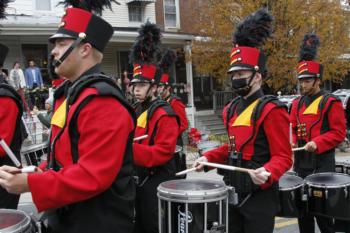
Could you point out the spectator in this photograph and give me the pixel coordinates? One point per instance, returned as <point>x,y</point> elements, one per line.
<point>16,77</point>
<point>33,76</point>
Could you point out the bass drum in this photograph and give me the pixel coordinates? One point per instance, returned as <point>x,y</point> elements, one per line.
<point>291,189</point>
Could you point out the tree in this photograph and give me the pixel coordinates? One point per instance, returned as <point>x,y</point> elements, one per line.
<point>216,21</point>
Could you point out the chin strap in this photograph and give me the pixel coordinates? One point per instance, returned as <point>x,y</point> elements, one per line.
<point>57,63</point>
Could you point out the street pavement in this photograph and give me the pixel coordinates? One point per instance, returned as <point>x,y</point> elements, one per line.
<point>282,225</point>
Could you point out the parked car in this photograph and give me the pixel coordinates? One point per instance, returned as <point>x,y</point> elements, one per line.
<point>287,100</point>
<point>344,95</point>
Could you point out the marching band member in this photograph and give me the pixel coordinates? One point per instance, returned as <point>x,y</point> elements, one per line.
<point>87,183</point>
<point>165,92</point>
<point>153,156</point>
<point>12,130</point>
<point>318,124</point>
<point>257,127</point>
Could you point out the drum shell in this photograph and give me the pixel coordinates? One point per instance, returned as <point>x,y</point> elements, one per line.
<point>290,202</point>
<point>196,216</point>
<point>329,202</point>
<point>205,201</point>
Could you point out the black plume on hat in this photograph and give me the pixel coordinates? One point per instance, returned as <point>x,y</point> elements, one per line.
<point>308,47</point>
<point>254,30</point>
<point>168,60</point>
<point>96,6</point>
<point>3,5</point>
<point>146,48</point>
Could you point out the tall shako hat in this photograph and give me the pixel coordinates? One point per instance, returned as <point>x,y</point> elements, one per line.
<point>248,37</point>
<point>166,63</point>
<point>3,48</point>
<point>80,23</point>
<point>145,54</point>
<point>307,67</point>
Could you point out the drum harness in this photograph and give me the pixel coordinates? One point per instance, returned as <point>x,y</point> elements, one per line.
<point>143,174</point>
<point>235,157</point>
<point>73,91</point>
<point>301,127</point>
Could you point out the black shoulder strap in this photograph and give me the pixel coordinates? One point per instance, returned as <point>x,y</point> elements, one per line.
<point>231,109</point>
<point>105,87</point>
<point>262,103</point>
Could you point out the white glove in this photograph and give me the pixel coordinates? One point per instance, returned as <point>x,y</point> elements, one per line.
<point>259,176</point>
<point>199,167</point>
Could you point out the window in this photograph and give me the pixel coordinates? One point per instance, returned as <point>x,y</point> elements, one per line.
<point>43,5</point>
<point>136,10</point>
<point>170,13</point>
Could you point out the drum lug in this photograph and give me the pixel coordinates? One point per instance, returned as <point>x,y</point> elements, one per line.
<point>217,228</point>
<point>346,193</point>
<point>292,195</point>
<point>232,196</point>
<point>309,192</point>
<point>326,194</point>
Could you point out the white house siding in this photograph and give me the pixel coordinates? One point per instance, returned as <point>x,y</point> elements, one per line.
<point>119,17</point>
<point>27,7</point>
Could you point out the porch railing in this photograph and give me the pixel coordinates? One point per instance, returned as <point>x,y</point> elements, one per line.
<point>221,98</point>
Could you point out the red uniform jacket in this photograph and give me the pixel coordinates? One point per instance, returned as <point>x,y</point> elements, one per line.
<point>159,152</point>
<point>96,168</point>
<point>324,121</point>
<point>269,138</point>
<point>179,109</point>
<point>8,115</point>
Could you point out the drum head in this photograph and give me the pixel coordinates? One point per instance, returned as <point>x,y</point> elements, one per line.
<point>12,221</point>
<point>192,191</point>
<point>288,181</point>
<point>328,179</point>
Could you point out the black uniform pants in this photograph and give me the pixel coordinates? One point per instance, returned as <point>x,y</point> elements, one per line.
<point>306,222</point>
<point>147,204</point>
<point>256,215</point>
<point>8,200</point>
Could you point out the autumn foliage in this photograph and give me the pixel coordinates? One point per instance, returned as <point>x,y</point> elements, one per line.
<point>215,21</point>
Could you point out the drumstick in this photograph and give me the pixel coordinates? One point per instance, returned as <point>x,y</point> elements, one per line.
<point>29,169</point>
<point>298,148</point>
<point>185,171</point>
<point>140,138</point>
<point>10,153</point>
<point>231,168</point>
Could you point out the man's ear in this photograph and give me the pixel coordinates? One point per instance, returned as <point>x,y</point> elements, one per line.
<point>319,81</point>
<point>85,49</point>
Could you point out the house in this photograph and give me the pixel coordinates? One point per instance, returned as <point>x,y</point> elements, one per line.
<point>29,24</point>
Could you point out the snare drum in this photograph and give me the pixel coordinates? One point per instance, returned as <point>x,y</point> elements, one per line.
<point>14,221</point>
<point>328,195</point>
<point>193,206</point>
<point>290,195</point>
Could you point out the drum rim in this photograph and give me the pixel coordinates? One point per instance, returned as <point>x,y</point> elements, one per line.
<point>193,201</point>
<point>330,186</point>
<point>293,187</point>
<point>195,195</point>
<point>22,225</point>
